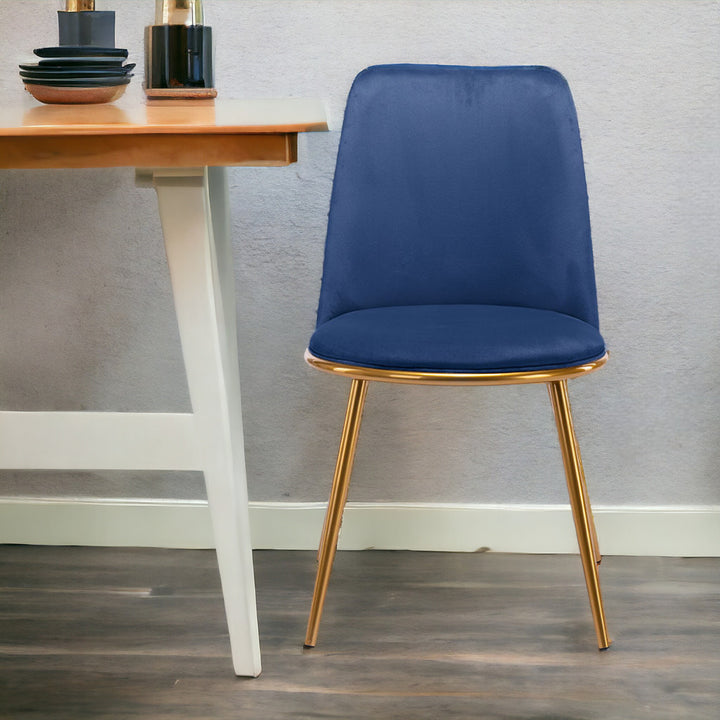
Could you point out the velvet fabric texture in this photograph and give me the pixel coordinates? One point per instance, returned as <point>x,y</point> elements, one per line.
<point>459,235</point>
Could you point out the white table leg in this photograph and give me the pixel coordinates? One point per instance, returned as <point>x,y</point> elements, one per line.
<point>195,219</point>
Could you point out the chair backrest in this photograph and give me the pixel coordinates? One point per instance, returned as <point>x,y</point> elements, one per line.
<point>459,185</point>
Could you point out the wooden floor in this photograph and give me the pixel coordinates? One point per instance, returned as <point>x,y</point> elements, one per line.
<point>129,633</point>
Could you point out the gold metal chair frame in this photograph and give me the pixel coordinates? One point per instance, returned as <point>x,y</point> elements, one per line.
<point>556,380</point>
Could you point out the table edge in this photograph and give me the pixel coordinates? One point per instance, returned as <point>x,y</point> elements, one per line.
<point>110,130</point>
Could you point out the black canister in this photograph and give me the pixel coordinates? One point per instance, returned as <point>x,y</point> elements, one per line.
<point>180,56</point>
<point>94,28</point>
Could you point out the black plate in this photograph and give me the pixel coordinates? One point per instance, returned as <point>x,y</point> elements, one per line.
<point>38,73</point>
<point>95,82</point>
<point>89,61</point>
<point>74,51</point>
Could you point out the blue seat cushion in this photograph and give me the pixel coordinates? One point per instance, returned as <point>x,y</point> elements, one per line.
<point>457,338</point>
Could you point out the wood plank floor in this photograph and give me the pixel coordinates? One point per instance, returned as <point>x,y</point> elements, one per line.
<point>138,633</point>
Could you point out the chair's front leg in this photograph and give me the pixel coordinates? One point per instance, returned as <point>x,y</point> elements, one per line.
<point>582,513</point>
<point>593,532</point>
<point>336,505</point>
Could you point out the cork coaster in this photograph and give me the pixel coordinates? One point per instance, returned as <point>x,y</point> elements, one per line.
<point>198,93</point>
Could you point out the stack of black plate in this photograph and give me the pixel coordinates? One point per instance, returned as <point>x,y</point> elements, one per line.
<point>77,74</point>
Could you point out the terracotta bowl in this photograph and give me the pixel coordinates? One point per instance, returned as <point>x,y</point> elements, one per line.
<point>75,95</point>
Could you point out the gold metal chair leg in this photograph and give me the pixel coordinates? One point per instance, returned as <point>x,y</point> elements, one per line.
<point>591,519</point>
<point>582,514</point>
<point>336,505</point>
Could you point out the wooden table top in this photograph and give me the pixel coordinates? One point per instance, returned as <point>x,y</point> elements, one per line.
<point>160,133</point>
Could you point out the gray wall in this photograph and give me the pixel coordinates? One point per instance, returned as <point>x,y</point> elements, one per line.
<point>86,319</point>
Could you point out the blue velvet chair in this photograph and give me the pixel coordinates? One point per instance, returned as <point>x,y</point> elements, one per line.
<point>458,252</point>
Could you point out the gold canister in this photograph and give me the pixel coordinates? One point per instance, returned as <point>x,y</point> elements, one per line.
<point>178,12</point>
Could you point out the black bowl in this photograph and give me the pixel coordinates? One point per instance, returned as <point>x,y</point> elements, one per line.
<point>78,51</point>
<point>81,71</point>
<point>81,82</point>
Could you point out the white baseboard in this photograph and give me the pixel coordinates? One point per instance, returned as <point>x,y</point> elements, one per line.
<point>677,531</point>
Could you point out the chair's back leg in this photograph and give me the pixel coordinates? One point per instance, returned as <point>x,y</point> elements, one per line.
<point>336,505</point>
<point>582,514</point>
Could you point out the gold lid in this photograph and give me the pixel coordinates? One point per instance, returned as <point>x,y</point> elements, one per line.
<point>178,12</point>
<point>79,5</point>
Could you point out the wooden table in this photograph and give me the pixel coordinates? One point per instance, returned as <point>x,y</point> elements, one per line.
<point>180,148</point>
